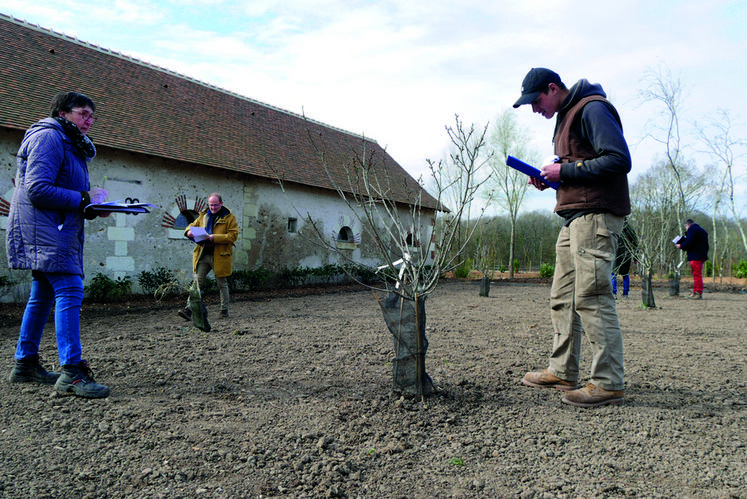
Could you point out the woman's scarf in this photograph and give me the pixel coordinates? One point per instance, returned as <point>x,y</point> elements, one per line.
<point>82,143</point>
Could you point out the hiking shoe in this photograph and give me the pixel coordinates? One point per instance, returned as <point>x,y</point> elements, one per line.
<point>30,370</point>
<point>224,314</point>
<point>694,296</point>
<point>78,380</point>
<point>185,313</point>
<point>593,396</point>
<point>543,379</point>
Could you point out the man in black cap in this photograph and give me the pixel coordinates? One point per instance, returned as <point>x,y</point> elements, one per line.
<point>593,200</point>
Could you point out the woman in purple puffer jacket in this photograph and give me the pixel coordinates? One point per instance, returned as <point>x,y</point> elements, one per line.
<point>45,235</point>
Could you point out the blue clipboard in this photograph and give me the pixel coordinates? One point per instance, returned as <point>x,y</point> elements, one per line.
<point>528,169</point>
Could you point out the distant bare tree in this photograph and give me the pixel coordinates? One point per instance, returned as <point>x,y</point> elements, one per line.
<point>664,88</point>
<point>509,187</point>
<point>718,138</point>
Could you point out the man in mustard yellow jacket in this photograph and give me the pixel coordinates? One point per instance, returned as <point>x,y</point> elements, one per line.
<point>214,250</point>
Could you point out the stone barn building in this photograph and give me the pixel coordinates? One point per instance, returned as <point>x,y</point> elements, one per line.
<point>170,140</point>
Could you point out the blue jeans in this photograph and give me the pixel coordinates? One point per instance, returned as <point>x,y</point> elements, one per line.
<point>626,284</point>
<point>65,291</point>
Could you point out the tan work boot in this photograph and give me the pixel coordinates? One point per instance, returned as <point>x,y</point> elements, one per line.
<point>593,396</point>
<point>543,379</point>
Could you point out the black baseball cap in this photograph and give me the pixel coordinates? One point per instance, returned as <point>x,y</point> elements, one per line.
<point>536,81</point>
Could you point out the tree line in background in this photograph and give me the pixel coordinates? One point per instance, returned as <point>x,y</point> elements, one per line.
<point>534,236</point>
<point>536,232</point>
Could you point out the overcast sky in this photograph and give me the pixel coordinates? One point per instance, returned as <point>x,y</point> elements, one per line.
<point>398,71</point>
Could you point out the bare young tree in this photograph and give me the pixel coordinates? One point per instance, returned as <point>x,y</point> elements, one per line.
<point>484,254</point>
<point>717,136</point>
<point>654,198</point>
<point>664,88</point>
<point>509,186</point>
<point>465,147</point>
<point>652,217</point>
<point>414,250</point>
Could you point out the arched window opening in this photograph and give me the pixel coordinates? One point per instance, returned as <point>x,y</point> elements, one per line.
<point>345,235</point>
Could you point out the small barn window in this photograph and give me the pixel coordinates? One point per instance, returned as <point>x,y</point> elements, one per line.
<point>345,235</point>
<point>292,225</point>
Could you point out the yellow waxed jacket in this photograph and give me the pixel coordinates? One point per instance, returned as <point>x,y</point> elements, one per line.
<point>226,233</point>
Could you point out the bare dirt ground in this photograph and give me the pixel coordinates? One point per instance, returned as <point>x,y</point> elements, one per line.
<point>291,397</point>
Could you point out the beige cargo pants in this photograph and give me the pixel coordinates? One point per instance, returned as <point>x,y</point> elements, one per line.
<point>581,301</point>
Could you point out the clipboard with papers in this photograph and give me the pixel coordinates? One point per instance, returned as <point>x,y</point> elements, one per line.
<point>528,169</point>
<point>123,206</point>
<point>199,234</point>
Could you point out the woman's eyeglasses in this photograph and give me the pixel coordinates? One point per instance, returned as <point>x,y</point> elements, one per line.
<point>85,115</point>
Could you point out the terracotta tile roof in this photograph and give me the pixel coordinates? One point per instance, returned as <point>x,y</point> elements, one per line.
<point>153,111</point>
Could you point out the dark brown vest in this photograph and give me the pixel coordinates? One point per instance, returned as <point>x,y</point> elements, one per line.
<point>609,194</point>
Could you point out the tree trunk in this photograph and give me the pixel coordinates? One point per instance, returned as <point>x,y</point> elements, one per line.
<point>674,285</point>
<point>511,250</point>
<point>485,286</point>
<point>647,290</point>
<point>406,322</point>
<point>199,310</point>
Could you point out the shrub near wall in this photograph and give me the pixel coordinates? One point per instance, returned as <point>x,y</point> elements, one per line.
<point>104,289</point>
<point>463,270</point>
<point>159,280</point>
<point>328,274</point>
<point>163,282</point>
<point>241,280</point>
<point>547,270</point>
<point>740,269</point>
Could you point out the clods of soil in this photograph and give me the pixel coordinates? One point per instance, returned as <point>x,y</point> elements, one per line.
<point>291,397</point>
